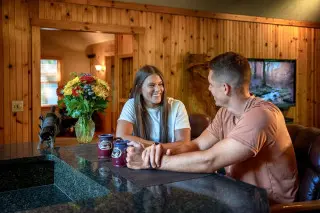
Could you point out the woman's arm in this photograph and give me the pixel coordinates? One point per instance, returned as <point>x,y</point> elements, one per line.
<point>182,134</point>
<point>182,138</point>
<point>125,130</point>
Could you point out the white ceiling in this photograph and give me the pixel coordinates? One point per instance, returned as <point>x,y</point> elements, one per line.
<point>304,10</point>
<point>73,40</point>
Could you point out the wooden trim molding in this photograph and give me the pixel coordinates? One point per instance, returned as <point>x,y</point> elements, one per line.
<point>195,13</point>
<point>304,206</point>
<point>36,87</point>
<point>125,56</point>
<point>88,27</point>
<point>1,80</point>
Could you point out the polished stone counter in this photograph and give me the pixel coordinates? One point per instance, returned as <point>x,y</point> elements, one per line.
<point>90,185</point>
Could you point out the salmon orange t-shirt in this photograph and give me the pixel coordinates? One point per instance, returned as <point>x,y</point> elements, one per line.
<point>262,129</point>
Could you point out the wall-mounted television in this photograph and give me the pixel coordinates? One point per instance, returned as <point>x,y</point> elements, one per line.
<point>274,81</point>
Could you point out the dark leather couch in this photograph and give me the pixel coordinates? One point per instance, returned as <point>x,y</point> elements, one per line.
<point>306,142</point>
<point>198,122</point>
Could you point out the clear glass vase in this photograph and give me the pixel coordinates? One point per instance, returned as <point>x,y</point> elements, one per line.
<point>84,129</point>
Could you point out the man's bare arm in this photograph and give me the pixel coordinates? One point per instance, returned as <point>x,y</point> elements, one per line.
<point>223,153</point>
<point>204,141</point>
<point>155,153</point>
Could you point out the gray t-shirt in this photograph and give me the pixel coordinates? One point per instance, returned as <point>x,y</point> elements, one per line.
<point>177,118</point>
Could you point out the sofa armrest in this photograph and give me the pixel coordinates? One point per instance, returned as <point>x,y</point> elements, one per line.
<point>296,207</point>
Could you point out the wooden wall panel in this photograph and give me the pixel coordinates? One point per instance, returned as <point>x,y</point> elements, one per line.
<point>316,88</point>
<point>159,45</point>
<point>18,61</point>
<point>1,80</point>
<point>15,72</point>
<point>179,73</point>
<point>126,67</point>
<point>36,87</point>
<point>171,73</point>
<point>165,45</point>
<point>8,21</point>
<point>26,72</point>
<point>125,45</point>
<point>205,35</point>
<point>12,70</point>
<point>167,40</point>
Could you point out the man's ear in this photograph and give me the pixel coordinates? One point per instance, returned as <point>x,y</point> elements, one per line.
<point>227,89</point>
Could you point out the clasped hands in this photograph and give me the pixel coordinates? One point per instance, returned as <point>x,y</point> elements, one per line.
<point>139,157</point>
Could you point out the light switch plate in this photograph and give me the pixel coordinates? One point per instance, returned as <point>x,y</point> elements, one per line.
<point>17,106</point>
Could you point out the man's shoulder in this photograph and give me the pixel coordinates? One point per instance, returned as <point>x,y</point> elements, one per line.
<point>260,106</point>
<point>262,113</point>
<point>224,112</point>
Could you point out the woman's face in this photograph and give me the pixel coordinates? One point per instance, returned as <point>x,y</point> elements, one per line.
<point>152,89</point>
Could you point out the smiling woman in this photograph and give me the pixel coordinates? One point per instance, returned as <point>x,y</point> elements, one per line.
<point>152,89</point>
<point>149,116</point>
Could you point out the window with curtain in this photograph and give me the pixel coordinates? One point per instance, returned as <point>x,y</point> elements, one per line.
<point>50,76</point>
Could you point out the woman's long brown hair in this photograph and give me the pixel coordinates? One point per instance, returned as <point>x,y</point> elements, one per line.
<point>142,127</point>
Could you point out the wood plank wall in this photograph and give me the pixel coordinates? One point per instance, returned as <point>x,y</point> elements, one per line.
<point>1,80</point>
<point>316,78</point>
<point>167,39</point>
<point>15,71</point>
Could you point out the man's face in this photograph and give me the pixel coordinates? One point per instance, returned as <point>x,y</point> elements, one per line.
<point>217,90</point>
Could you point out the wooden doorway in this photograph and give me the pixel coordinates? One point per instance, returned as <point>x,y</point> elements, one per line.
<point>115,105</point>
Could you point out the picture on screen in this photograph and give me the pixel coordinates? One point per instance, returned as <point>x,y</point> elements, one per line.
<point>274,81</point>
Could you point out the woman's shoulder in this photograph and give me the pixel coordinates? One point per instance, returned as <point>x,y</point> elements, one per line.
<point>129,103</point>
<point>130,100</point>
<point>174,102</point>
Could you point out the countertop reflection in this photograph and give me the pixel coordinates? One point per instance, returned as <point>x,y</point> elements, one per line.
<point>213,193</point>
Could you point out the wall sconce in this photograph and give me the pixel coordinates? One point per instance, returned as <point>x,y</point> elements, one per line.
<point>97,65</point>
<point>100,68</point>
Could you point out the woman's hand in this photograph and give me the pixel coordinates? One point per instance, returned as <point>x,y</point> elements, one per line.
<point>134,159</point>
<point>137,147</point>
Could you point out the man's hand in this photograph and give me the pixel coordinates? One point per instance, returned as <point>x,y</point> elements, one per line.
<point>153,154</point>
<point>134,159</point>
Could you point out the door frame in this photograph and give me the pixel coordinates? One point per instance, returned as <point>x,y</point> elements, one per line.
<point>37,24</point>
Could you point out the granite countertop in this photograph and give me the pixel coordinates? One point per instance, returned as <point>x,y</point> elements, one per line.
<point>88,184</point>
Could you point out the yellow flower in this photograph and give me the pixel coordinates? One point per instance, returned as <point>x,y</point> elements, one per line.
<point>99,81</point>
<point>67,91</point>
<point>101,91</point>
<point>68,88</point>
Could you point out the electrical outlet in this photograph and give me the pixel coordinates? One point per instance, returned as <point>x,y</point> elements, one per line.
<point>17,106</point>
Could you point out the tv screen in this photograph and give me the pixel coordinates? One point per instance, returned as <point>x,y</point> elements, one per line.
<point>274,81</point>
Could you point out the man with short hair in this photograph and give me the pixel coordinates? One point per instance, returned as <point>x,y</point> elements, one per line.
<point>248,137</point>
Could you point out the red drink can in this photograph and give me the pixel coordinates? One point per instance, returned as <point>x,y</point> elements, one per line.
<point>119,153</point>
<point>105,145</point>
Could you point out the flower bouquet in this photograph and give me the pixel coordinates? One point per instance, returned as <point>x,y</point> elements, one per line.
<point>82,96</point>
